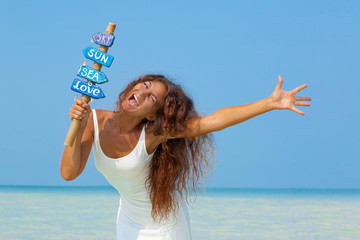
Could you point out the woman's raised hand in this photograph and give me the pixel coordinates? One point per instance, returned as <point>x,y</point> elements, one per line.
<point>80,110</point>
<point>287,100</point>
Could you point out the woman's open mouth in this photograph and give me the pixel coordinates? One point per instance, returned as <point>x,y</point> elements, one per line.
<point>133,101</point>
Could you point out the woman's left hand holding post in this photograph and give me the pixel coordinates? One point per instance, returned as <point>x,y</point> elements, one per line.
<point>287,100</point>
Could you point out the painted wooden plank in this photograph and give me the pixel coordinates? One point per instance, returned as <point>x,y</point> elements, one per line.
<point>87,89</point>
<point>98,56</point>
<point>103,39</point>
<point>92,75</point>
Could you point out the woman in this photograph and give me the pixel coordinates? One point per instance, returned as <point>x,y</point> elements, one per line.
<point>154,149</point>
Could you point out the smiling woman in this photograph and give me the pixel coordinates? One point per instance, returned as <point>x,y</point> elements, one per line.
<point>155,149</point>
<point>144,94</point>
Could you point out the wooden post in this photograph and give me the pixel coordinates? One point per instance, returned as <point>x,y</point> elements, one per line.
<point>75,125</point>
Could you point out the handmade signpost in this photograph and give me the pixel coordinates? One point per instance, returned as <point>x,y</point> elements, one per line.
<point>93,74</point>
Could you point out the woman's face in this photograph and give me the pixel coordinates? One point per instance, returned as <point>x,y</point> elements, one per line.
<point>144,99</point>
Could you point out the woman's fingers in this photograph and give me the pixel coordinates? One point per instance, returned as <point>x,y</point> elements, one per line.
<point>302,104</point>
<point>78,107</point>
<point>79,110</point>
<point>280,82</point>
<point>81,103</point>
<point>297,110</point>
<point>298,89</point>
<point>302,99</point>
<point>76,114</point>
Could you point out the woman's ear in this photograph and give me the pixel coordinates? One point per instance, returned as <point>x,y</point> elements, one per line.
<point>151,117</point>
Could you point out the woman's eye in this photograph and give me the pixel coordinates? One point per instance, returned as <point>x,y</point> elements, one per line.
<point>146,85</point>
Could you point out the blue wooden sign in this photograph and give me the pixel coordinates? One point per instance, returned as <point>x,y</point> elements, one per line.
<point>103,39</point>
<point>98,56</point>
<point>87,89</point>
<point>92,74</point>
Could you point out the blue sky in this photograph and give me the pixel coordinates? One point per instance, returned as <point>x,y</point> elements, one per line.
<point>223,53</point>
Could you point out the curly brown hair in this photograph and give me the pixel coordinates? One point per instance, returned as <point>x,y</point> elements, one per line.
<point>178,165</point>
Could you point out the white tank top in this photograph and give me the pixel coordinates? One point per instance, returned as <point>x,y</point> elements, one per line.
<point>128,175</point>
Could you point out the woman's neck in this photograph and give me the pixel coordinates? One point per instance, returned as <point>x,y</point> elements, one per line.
<point>126,123</point>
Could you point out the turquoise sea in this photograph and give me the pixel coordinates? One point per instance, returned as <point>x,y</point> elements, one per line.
<point>79,213</point>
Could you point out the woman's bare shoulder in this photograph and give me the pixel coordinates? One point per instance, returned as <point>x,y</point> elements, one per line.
<point>102,114</point>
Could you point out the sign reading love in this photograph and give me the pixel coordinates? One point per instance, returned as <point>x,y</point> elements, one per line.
<point>87,89</point>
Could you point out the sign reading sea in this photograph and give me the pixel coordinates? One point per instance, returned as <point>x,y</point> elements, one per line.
<point>92,75</point>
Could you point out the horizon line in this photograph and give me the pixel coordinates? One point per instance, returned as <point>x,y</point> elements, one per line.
<point>199,189</point>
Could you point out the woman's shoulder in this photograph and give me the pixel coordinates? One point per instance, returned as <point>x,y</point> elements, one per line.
<point>103,116</point>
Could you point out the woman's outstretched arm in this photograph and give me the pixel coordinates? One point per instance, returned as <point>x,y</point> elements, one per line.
<point>229,116</point>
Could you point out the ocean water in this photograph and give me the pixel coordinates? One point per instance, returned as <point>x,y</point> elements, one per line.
<point>79,213</point>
